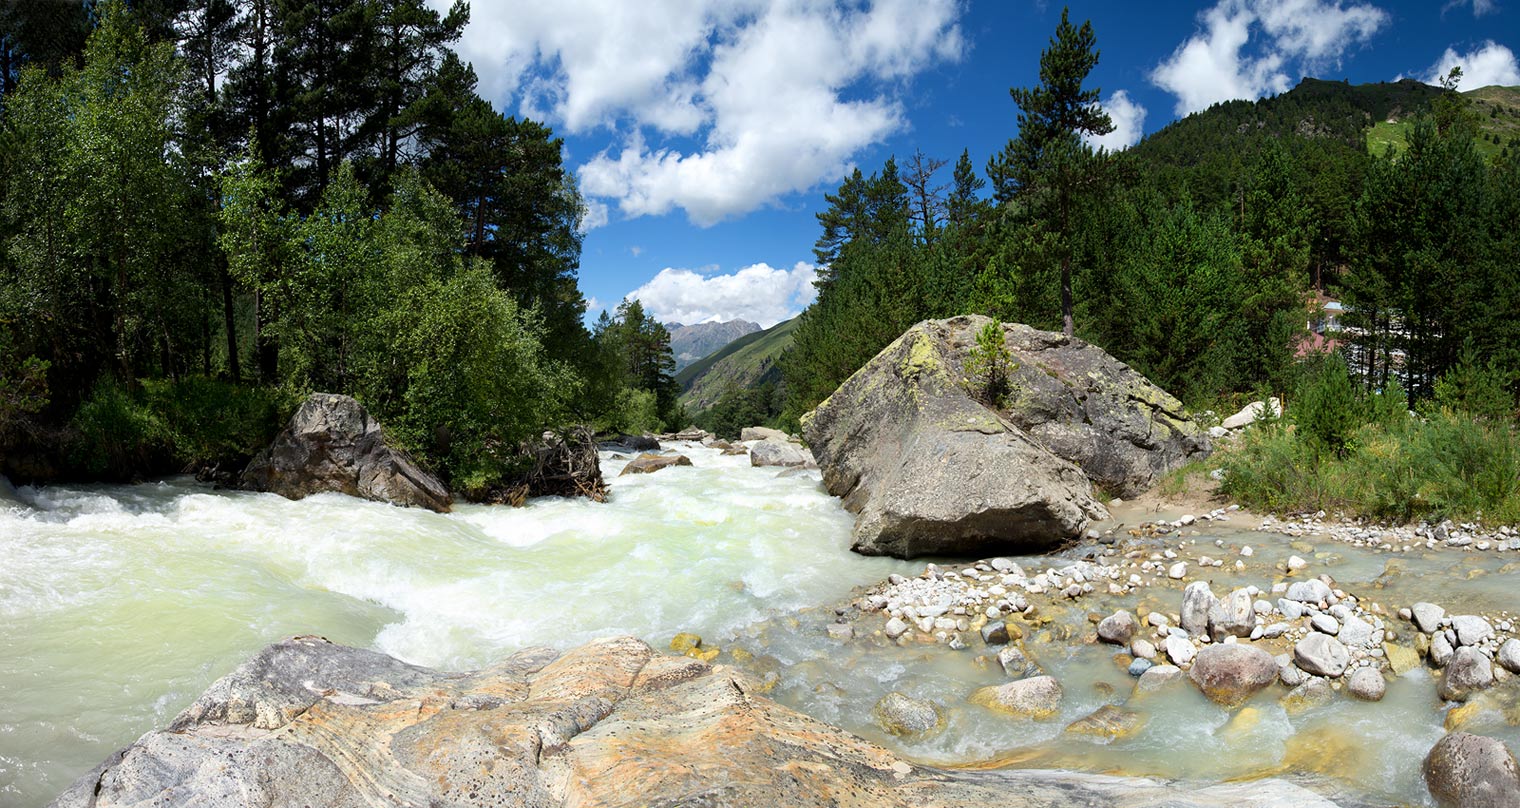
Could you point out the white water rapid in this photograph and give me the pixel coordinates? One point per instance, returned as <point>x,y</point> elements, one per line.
<point>120,604</point>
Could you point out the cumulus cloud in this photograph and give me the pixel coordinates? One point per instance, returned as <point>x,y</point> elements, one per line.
<point>1490,64</point>
<point>1219,63</point>
<point>1129,123</point>
<point>759,293</point>
<point>595,216</point>
<point>775,95</point>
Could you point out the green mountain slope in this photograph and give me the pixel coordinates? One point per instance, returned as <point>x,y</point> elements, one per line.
<point>745,363</point>
<point>1497,110</point>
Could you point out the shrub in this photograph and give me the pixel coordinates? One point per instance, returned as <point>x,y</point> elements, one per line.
<point>1325,409</point>
<point>1474,388</point>
<point>991,367</point>
<point>207,420</point>
<point>634,412</point>
<point>116,436</point>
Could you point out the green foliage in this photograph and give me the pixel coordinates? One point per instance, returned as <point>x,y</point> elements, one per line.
<point>633,351</point>
<point>23,388</point>
<point>205,420</point>
<point>1476,389</point>
<point>633,412</point>
<point>738,408</point>
<point>1447,466</point>
<point>116,436</point>
<point>1324,408</point>
<point>991,367</point>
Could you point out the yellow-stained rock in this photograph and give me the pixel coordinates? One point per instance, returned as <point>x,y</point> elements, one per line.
<point>1108,722</point>
<point>1401,658</point>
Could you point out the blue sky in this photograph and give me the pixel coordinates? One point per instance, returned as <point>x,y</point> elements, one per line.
<point>705,133</point>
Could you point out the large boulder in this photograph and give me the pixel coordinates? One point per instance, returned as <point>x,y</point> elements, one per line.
<point>750,433</point>
<point>929,470</point>
<point>333,445</point>
<point>307,722</point>
<point>650,463</point>
<point>1231,673</point>
<point>1471,771</point>
<point>770,452</point>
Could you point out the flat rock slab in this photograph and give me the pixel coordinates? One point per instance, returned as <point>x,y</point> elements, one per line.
<point>307,722</point>
<point>650,463</point>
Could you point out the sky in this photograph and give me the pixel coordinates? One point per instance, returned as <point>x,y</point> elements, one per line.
<point>705,133</point>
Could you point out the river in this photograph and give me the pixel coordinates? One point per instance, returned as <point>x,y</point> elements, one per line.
<point>120,604</point>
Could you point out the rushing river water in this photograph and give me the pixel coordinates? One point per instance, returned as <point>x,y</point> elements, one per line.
<point>119,604</point>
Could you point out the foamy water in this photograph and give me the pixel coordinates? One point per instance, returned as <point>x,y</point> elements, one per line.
<point>119,604</point>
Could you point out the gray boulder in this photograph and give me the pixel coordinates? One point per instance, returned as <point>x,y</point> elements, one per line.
<point>1233,615</point>
<point>779,453</point>
<point>928,470</point>
<point>1471,771</point>
<point>651,463</point>
<point>1321,655</point>
<point>1367,684</point>
<point>1230,674</point>
<point>1509,655</point>
<point>1198,602</point>
<point>333,445</point>
<point>1118,628</point>
<point>750,433</point>
<point>1468,671</point>
<point>1427,617</point>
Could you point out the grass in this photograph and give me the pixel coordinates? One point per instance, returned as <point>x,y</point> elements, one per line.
<point>1444,466</point>
<point>1496,109</point>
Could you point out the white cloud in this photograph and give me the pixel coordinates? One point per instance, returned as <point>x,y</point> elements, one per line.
<point>1216,64</point>
<point>759,293</point>
<point>1491,64</point>
<point>1479,7</point>
<point>776,95</point>
<point>1129,123</point>
<point>594,217</point>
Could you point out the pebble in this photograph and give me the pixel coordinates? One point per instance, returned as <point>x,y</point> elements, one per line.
<point>1324,623</point>
<point>1177,571</point>
<point>1295,563</point>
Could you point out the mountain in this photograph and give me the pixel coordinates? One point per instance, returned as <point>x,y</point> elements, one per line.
<point>1496,109</point>
<point>692,342</point>
<point>747,362</point>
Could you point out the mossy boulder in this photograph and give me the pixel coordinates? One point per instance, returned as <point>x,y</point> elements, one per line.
<point>931,469</point>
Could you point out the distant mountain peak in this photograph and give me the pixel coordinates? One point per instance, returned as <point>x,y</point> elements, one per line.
<point>689,343</point>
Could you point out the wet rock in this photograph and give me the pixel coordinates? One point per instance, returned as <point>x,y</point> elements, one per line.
<point>333,445</point>
<point>779,453</point>
<point>1468,672</point>
<point>1138,666</point>
<point>1157,677</point>
<point>1230,674</point>
<point>630,444</point>
<point>1400,658</point>
<point>1290,674</point>
<point>1471,771</point>
<point>1366,684</point>
<point>895,628</point>
<point>995,633</point>
<point>1109,722</point>
<point>1038,697</point>
<point>1142,649</point>
<point>541,730</point>
<point>1509,655</point>
<point>1321,655</point>
<point>906,716</point>
<point>1118,628</point>
<point>1234,616</point>
<point>1472,629</point>
<point>1428,616</point>
<point>1197,601</point>
<point>650,463</point>
<point>1015,663</point>
<point>1312,692</point>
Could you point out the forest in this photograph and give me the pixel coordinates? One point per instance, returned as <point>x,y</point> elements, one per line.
<point>209,208</point>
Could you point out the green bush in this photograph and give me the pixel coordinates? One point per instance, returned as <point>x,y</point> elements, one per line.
<point>207,420</point>
<point>1325,408</point>
<point>1474,388</point>
<point>634,412</point>
<point>116,436</point>
<point>1449,465</point>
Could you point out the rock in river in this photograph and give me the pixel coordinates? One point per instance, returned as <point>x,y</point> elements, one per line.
<point>1321,655</point>
<point>1230,674</point>
<point>907,716</point>
<point>650,463</point>
<point>779,453</point>
<point>333,445</point>
<point>306,722</point>
<point>1471,771</point>
<point>1038,697</point>
<point>1468,671</point>
<point>929,469</point>
<point>1118,627</point>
